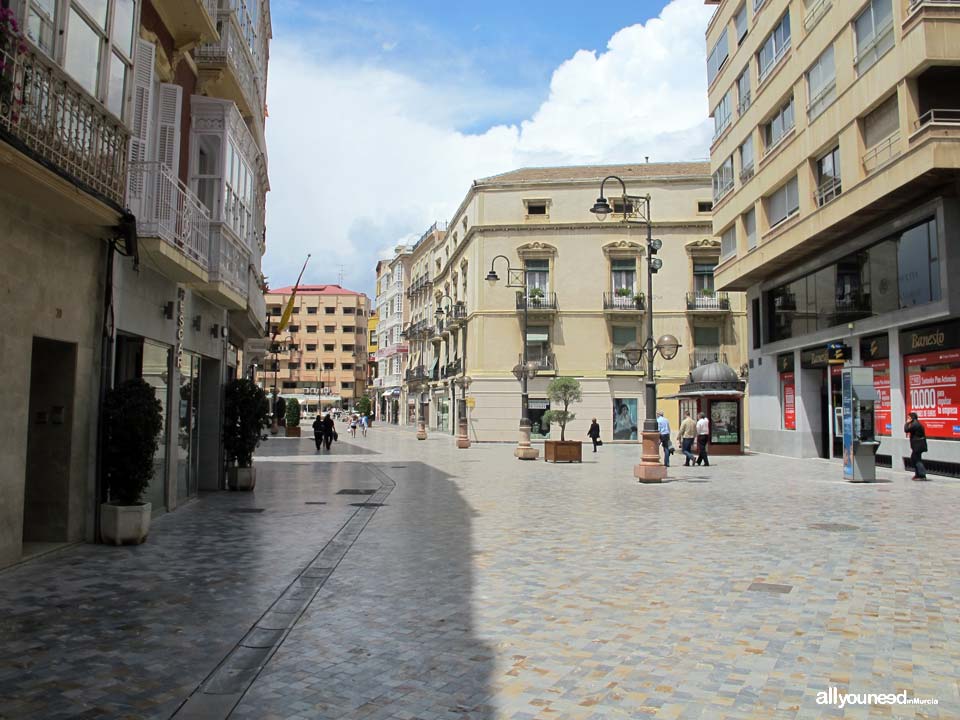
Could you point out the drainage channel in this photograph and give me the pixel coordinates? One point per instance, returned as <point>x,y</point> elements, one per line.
<point>222,690</point>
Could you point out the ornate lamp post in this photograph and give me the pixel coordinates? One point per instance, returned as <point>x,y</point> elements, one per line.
<point>463,437</point>
<point>524,371</point>
<point>439,315</point>
<point>650,469</point>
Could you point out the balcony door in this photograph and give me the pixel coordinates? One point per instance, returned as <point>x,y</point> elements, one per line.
<point>537,276</point>
<point>538,345</point>
<point>703,277</point>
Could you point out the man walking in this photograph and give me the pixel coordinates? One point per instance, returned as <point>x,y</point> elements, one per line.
<point>918,445</point>
<point>688,433</point>
<point>703,437</point>
<point>594,433</point>
<point>663,427</point>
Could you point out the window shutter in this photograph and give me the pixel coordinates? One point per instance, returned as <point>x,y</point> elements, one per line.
<point>168,127</point>
<point>140,124</point>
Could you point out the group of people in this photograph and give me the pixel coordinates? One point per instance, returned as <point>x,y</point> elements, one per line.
<point>325,430</point>
<point>690,430</point>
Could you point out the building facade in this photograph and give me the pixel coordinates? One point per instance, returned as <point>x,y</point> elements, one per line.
<point>372,346</point>
<point>835,182</point>
<point>134,248</point>
<point>323,351</point>
<point>584,285</point>
<point>392,348</point>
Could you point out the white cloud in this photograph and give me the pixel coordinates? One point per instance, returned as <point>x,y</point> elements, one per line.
<point>362,158</point>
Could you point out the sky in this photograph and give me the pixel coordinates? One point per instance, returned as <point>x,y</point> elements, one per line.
<point>382,112</point>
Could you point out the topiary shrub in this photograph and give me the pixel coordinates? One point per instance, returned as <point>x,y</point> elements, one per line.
<point>133,421</point>
<point>245,412</point>
<point>563,391</point>
<point>293,412</point>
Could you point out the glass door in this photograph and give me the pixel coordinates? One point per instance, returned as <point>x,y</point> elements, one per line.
<point>156,372</point>
<point>189,431</point>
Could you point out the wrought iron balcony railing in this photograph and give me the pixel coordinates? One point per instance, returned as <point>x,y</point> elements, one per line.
<point>168,209</point>
<point>228,259</point>
<point>618,362</point>
<point>537,301</point>
<point>630,302</point>
<point>705,355</point>
<point>545,362</point>
<point>44,113</point>
<point>708,300</point>
<point>234,51</point>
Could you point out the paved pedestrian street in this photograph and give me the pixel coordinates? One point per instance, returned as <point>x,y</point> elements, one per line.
<point>451,583</point>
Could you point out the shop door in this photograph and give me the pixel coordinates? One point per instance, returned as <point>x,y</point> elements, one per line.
<point>188,457</point>
<point>825,422</point>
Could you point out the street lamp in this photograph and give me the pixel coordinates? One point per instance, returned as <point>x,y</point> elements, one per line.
<point>463,437</point>
<point>650,469</point>
<point>525,370</point>
<point>439,315</point>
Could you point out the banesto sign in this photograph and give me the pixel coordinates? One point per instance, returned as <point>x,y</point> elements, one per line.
<point>942,336</point>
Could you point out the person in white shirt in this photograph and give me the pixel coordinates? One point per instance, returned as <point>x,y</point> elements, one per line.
<point>703,437</point>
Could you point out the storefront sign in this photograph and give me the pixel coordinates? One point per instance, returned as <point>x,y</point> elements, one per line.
<point>785,363</point>
<point>536,404</point>
<point>875,347</point>
<point>838,353</point>
<point>471,402</point>
<point>942,336</point>
<point>725,422</point>
<point>789,393</point>
<point>882,418</point>
<point>832,354</point>
<point>625,419</point>
<point>178,347</point>
<point>933,391</point>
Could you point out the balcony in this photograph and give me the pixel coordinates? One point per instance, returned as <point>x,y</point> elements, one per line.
<point>229,69</point>
<point>49,118</point>
<point>251,322</point>
<point>624,303</point>
<point>828,190</point>
<point>172,224</point>
<point>542,363</point>
<point>882,153</point>
<point>946,119</point>
<point>457,315</point>
<point>708,301</point>
<point>537,302</point>
<point>706,355</point>
<point>417,374</point>
<point>815,13</point>
<point>190,21</point>
<point>227,285</point>
<point>617,362</point>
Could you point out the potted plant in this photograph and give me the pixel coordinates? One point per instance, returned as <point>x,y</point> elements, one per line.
<point>562,391</point>
<point>293,417</point>
<point>536,295</point>
<point>245,412</point>
<point>132,423</point>
<point>638,301</point>
<point>624,292</point>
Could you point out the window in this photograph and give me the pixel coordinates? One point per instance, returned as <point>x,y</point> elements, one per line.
<point>624,275</point>
<point>311,328</point>
<point>293,365</point>
<point>722,114</point>
<point>349,385</point>
<point>723,179</point>
<point>329,366</point>
<point>311,311</point>
<point>538,343</point>
<point>783,203</point>
<point>740,23</point>
<point>755,322</point>
<point>296,310</point>
<point>276,310</point>
<point>99,46</point>
<point>746,159</point>
<point>743,91</point>
<point>349,311</point>
<point>346,366</point>
<point>750,228</point>
<point>348,348</point>
<point>828,176</point>
<point>349,329</point>
<point>311,366</point>
<point>538,275</point>
<point>728,242</point>
<point>536,207</point>
<point>329,310</point>
<point>623,335</point>
<point>775,129</point>
<point>311,347</point>
<point>704,206</point>
<point>294,328</point>
<point>874,32</point>
<point>329,328</point>
<point>706,336</point>
<point>329,348</point>
<point>821,84</point>
<point>703,275</point>
<point>718,56</point>
<point>774,47</point>
<point>883,122</point>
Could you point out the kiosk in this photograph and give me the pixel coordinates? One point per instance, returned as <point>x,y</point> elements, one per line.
<point>859,445</point>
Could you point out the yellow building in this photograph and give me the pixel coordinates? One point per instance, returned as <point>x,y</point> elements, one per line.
<point>322,358</point>
<point>372,322</point>
<point>835,176</point>
<point>585,286</point>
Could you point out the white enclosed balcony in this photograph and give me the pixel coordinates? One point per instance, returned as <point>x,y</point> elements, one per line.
<point>172,224</point>
<point>227,285</point>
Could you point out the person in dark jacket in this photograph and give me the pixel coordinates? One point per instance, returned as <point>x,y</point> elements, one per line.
<point>318,431</point>
<point>594,433</point>
<point>918,445</point>
<point>328,430</point>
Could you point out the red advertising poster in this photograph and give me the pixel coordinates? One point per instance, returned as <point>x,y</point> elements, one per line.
<point>883,422</point>
<point>933,391</point>
<point>789,401</point>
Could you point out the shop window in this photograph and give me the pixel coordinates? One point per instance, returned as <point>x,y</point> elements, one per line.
<point>932,390</point>
<point>725,422</point>
<point>537,408</point>
<point>625,422</point>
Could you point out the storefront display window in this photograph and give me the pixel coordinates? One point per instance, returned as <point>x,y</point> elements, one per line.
<point>725,422</point>
<point>537,408</point>
<point>625,419</point>
<point>788,400</point>
<point>933,391</point>
<point>188,457</point>
<point>156,371</point>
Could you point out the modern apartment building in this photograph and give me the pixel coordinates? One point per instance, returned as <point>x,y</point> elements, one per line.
<point>835,182</point>
<point>392,348</point>
<point>323,351</point>
<point>134,204</point>
<point>584,285</point>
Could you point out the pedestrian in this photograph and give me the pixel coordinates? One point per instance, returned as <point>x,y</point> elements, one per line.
<point>328,431</point>
<point>703,437</point>
<point>363,424</point>
<point>353,426</point>
<point>686,436</point>
<point>918,445</point>
<point>594,433</point>
<point>663,427</point>
<point>318,431</point>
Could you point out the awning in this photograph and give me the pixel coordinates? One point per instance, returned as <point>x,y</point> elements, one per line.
<point>538,337</point>
<point>704,393</point>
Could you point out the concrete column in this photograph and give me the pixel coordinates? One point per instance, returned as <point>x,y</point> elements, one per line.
<point>210,418</point>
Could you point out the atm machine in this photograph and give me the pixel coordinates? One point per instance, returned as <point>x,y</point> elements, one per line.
<point>859,443</point>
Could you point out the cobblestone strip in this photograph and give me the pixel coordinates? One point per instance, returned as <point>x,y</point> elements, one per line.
<point>222,690</point>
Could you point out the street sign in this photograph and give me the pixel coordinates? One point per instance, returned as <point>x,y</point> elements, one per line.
<point>471,402</point>
<point>256,347</point>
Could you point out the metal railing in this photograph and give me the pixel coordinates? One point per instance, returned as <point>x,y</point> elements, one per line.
<point>821,101</point>
<point>618,362</point>
<point>743,103</point>
<point>544,362</point>
<point>828,190</point>
<point>706,355</point>
<point>873,51</point>
<point>534,301</point>
<point>233,49</point>
<point>882,153</point>
<point>746,173</point>
<point>917,4</point>
<point>722,189</point>
<point>168,209</point>
<point>457,314</point>
<point>774,61</point>
<point>815,12</point>
<point>708,300</point>
<point>228,259</point>
<point>419,373</point>
<point>45,112</point>
<point>632,302</point>
<point>939,116</point>
<point>256,303</point>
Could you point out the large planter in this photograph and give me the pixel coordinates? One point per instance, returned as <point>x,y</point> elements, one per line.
<point>563,451</point>
<point>239,478</point>
<point>292,431</point>
<point>125,524</point>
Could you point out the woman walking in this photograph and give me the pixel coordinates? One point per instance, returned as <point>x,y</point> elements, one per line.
<point>918,445</point>
<point>594,433</point>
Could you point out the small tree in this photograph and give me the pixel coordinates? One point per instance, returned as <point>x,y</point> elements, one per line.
<point>133,419</point>
<point>563,391</point>
<point>293,412</point>
<point>245,412</point>
<point>363,405</point>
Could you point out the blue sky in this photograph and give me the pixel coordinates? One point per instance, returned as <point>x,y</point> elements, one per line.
<point>383,112</point>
